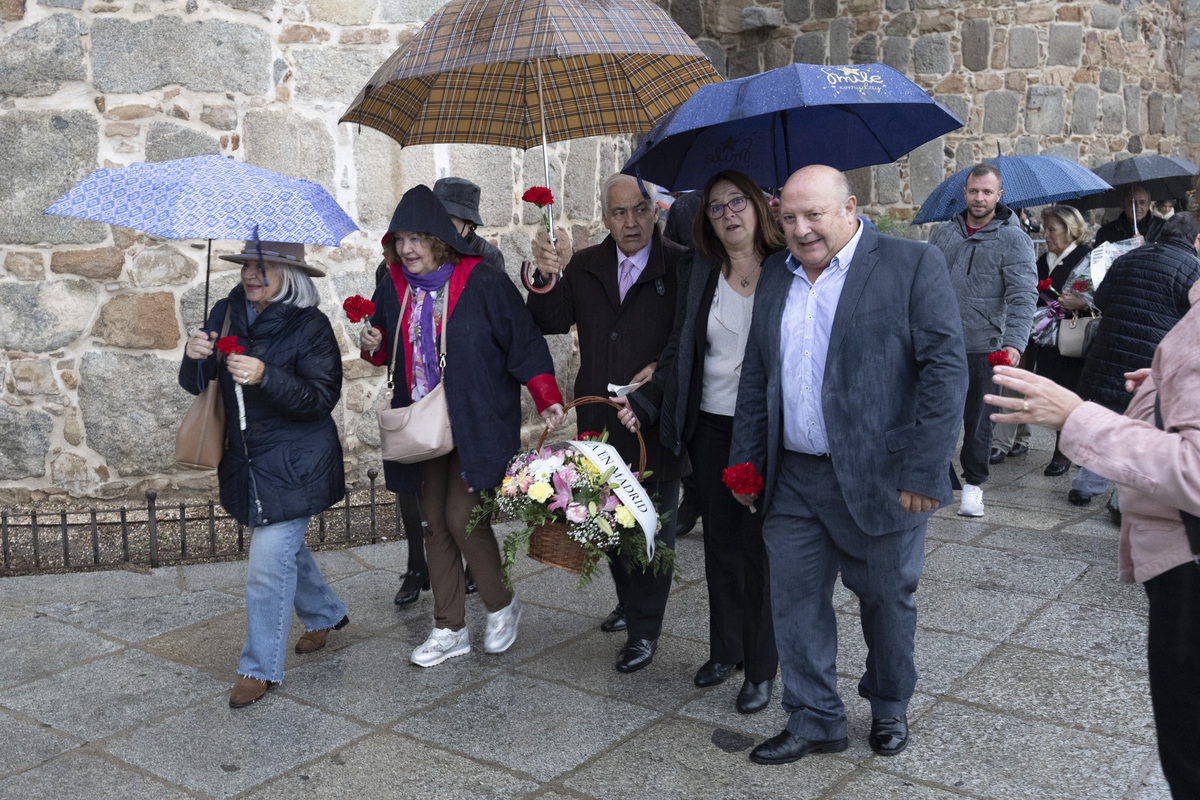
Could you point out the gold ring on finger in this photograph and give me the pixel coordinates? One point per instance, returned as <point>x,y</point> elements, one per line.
<point>1026,406</point>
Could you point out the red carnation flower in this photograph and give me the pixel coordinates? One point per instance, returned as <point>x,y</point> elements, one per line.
<point>229,346</point>
<point>1043,284</point>
<point>1079,286</point>
<point>357,307</point>
<point>588,436</point>
<point>742,479</point>
<point>540,196</point>
<point>999,359</point>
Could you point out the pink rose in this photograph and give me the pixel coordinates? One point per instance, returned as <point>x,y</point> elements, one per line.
<point>576,513</point>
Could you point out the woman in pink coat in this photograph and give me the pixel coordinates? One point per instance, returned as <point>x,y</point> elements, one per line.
<point>1158,472</point>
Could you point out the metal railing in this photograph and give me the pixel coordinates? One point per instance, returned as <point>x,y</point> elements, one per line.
<point>154,535</point>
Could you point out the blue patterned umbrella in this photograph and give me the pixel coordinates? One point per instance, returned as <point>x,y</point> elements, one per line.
<point>771,124</point>
<point>1028,181</point>
<point>208,197</point>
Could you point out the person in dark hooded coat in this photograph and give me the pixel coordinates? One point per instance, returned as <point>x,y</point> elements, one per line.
<point>437,288</point>
<point>283,457</point>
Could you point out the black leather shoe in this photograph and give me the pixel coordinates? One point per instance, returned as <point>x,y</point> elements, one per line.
<point>615,621</point>
<point>754,697</point>
<point>1078,498</point>
<point>471,587</point>
<point>636,653</point>
<point>784,748</point>
<point>889,735</point>
<point>410,588</point>
<point>996,456</point>
<point>1018,450</point>
<point>713,673</point>
<point>1057,466</point>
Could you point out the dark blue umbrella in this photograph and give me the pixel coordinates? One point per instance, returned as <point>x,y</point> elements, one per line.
<point>1165,178</point>
<point>771,124</point>
<point>1028,181</point>
<point>208,197</point>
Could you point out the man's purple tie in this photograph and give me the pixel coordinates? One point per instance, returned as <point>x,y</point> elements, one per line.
<point>626,277</point>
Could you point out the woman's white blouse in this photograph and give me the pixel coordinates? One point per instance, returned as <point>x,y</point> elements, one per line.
<point>728,328</point>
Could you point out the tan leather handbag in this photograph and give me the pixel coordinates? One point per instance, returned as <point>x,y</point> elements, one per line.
<point>421,430</point>
<point>200,442</point>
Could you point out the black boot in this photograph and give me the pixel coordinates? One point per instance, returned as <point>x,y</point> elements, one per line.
<point>410,589</point>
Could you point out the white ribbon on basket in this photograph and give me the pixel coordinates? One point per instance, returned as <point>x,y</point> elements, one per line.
<point>627,490</point>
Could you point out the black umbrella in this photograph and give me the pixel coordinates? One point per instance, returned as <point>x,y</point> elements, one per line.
<point>1165,178</point>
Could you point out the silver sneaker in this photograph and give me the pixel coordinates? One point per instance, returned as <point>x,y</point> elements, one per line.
<point>442,644</point>
<point>502,628</point>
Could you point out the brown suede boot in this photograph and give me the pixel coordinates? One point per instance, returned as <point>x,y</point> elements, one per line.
<point>312,641</point>
<point>247,690</point>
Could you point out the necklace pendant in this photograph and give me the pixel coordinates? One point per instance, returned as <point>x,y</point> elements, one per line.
<point>745,283</point>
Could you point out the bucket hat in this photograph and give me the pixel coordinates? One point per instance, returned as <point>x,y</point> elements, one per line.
<point>460,197</point>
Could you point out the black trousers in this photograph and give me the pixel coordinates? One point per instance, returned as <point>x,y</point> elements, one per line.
<point>1173,653</point>
<point>977,427</point>
<point>641,592</point>
<point>735,560</point>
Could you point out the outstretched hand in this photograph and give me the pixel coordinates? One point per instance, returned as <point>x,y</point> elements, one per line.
<point>1045,403</point>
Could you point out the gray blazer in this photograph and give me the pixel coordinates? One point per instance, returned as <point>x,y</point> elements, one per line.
<point>894,386</point>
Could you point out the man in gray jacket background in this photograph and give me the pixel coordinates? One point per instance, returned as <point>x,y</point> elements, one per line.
<point>992,271</point>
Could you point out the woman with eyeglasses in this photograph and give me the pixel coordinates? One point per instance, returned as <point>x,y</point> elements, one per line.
<point>692,397</point>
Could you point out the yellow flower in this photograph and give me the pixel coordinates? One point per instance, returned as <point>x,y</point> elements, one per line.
<point>625,517</point>
<point>541,491</point>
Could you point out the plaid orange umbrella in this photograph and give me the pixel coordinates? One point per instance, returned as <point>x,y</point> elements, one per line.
<point>519,73</point>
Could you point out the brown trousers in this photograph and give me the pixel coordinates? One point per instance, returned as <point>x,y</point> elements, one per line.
<point>448,506</point>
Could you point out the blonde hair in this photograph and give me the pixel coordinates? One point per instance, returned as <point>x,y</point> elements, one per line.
<point>1071,219</point>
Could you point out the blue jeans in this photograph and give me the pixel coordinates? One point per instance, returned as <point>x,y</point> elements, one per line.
<point>281,576</point>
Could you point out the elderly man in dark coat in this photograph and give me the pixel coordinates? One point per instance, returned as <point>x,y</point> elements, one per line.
<point>620,294</point>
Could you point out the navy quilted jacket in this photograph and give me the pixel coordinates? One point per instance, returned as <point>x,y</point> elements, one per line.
<point>1142,297</point>
<point>288,462</point>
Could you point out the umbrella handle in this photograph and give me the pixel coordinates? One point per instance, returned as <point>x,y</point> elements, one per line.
<point>525,267</point>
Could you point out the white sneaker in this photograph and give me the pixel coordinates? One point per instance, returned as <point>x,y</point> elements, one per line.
<point>972,501</point>
<point>442,644</point>
<point>502,628</point>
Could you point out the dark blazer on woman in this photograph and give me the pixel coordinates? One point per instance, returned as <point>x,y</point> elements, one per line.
<point>672,397</point>
<point>492,348</point>
<point>288,462</point>
<point>616,339</point>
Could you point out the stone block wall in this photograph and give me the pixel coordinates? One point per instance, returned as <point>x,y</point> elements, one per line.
<point>93,317</point>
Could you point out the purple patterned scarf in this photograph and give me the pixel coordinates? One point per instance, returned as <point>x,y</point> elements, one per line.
<point>425,352</point>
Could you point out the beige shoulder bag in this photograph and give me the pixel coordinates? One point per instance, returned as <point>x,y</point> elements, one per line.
<point>421,430</point>
<point>200,441</point>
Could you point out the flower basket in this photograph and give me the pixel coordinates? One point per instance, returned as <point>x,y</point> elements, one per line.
<point>550,544</point>
<point>579,501</point>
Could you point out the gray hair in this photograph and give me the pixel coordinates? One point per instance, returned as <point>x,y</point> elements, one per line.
<point>613,180</point>
<point>1071,219</point>
<point>295,287</point>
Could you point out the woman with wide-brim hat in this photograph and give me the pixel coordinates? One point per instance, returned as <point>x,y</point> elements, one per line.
<point>492,348</point>
<point>283,458</point>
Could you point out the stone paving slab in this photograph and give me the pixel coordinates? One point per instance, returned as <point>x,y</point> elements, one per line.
<point>385,766</point>
<point>138,687</point>
<point>998,569</point>
<point>39,646</point>
<point>86,776</point>
<point>140,618</point>
<point>222,751</point>
<point>983,754</point>
<point>982,613</point>
<point>27,743</point>
<point>1114,637</point>
<point>685,764</point>
<point>535,727</point>
<point>1088,695</point>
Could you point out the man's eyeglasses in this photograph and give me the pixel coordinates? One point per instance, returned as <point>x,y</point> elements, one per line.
<point>735,204</point>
